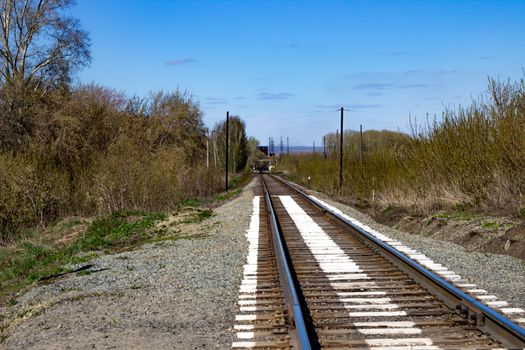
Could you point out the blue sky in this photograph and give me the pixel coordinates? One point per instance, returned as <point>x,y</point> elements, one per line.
<point>286,66</point>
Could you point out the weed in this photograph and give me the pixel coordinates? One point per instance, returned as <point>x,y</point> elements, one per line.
<point>388,210</point>
<point>197,215</point>
<point>3,327</point>
<point>442,216</point>
<point>24,312</point>
<point>12,302</point>
<point>190,202</point>
<point>492,225</point>
<point>459,207</point>
<point>204,214</point>
<point>68,224</point>
<point>83,258</point>
<point>462,216</point>
<point>227,195</point>
<point>115,231</point>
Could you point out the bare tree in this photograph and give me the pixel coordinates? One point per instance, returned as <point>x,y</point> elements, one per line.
<point>40,44</point>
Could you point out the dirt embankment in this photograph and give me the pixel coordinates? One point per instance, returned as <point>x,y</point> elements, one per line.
<point>475,232</point>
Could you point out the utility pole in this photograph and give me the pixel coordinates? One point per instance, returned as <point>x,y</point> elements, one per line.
<point>282,146</point>
<point>287,146</point>
<point>336,142</point>
<point>361,144</point>
<point>227,145</point>
<point>341,155</point>
<point>324,146</point>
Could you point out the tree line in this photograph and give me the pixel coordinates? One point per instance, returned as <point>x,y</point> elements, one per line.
<point>69,149</point>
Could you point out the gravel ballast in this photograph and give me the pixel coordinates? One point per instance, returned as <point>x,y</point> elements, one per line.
<point>171,294</point>
<point>501,275</point>
<point>182,294</point>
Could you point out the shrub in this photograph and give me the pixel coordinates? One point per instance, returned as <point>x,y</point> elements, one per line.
<point>29,195</point>
<point>92,151</point>
<point>473,156</point>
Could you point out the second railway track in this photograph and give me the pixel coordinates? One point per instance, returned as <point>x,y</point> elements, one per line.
<point>349,294</point>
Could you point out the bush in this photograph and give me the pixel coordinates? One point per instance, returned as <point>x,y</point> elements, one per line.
<point>131,178</point>
<point>29,195</point>
<point>92,151</point>
<point>473,156</point>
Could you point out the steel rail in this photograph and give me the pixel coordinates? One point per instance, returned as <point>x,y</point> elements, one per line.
<point>483,317</point>
<point>299,335</point>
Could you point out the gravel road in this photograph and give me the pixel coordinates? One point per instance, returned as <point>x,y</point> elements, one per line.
<point>172,294</point>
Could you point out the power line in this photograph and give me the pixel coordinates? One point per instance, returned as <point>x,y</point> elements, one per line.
<point>297,117</point>
<point>377,113</point>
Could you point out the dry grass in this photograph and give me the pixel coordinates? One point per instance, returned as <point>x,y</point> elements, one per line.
<point>474,157</point>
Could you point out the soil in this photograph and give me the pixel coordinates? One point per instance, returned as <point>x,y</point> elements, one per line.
<point>511,243</point>
<point>475,232</point>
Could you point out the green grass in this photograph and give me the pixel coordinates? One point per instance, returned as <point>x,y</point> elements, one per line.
<point>227,195</point>
<point>492,225</point>
<point>39,256</point>
<point>67,224</point>
<point>28,261</point>
<point>456,215</point>
<point>463,216</point>
<point>202,215</point>
<point>195,215</point>
<point>190,202</point>
<point>442,216</point>
<point>116,230</point>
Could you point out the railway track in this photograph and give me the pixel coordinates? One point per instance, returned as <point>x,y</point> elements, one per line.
<point>315,280</point>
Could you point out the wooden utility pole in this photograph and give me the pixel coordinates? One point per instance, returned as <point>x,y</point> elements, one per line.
<point>227,146</point>
<point>341,154</point>
<point>324,146</point>
<point>336,142</point>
